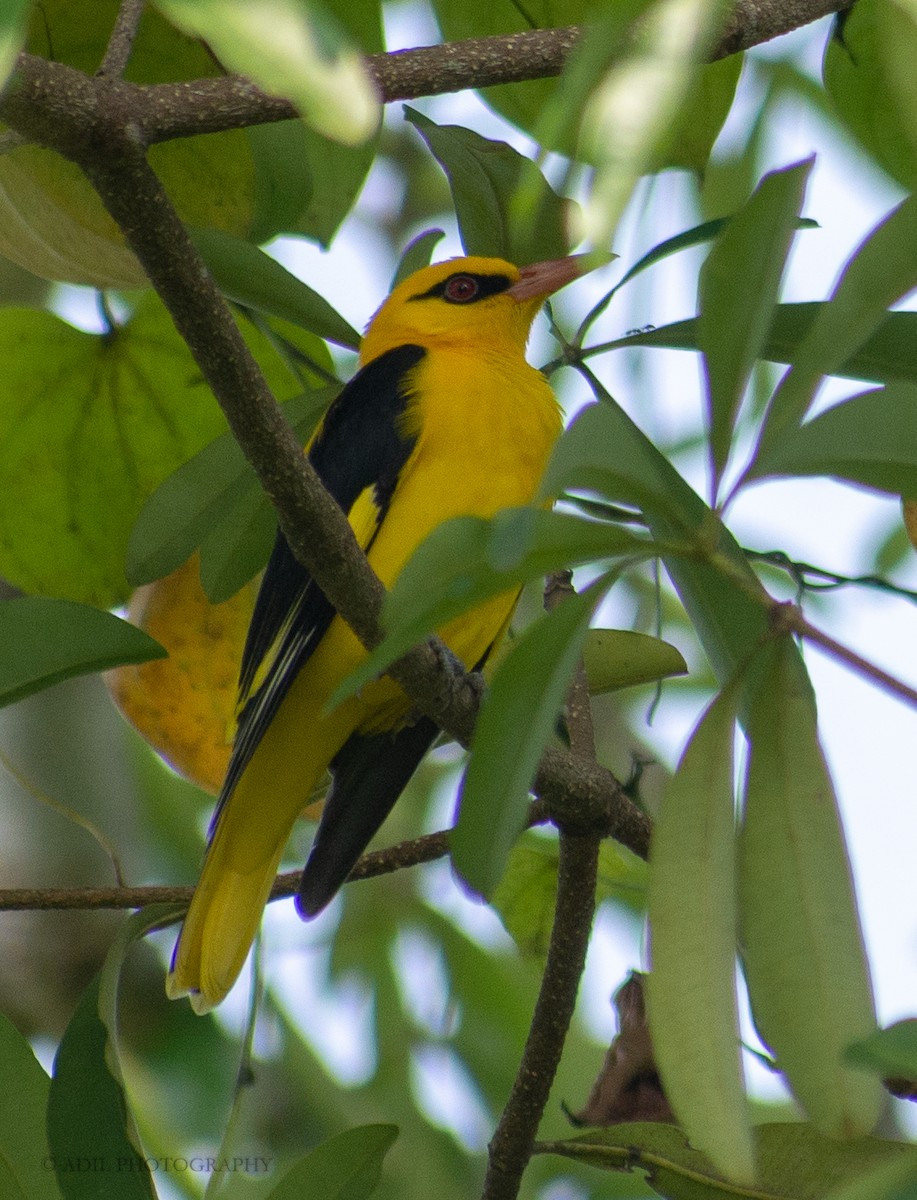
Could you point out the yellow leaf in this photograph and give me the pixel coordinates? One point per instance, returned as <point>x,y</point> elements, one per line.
<point>184,705</point>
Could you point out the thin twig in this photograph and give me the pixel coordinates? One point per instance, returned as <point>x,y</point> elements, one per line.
<point>410,853</point>
<point>64,810</point>
<point>123,35</point>
<point>811,578</point>
<point>786,617</point>
<point>380,862</point>
<point>790,617</point>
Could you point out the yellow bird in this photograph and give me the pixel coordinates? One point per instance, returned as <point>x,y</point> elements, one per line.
<point>445,418</point>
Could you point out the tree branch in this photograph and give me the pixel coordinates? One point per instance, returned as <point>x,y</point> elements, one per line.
<point>377,862</point>
<point>123,36</point>
<point>374,863</point>
<point>160,112</point>
<point>511,1146</point>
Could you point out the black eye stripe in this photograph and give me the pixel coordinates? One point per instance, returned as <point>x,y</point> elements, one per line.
<point>488,285</point>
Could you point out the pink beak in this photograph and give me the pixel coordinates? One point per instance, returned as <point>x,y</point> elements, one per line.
<point>541,279</point>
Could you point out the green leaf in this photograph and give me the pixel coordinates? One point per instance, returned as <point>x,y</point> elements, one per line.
<point>483,176</point>
<point>246,274</point>
<point>873,97</point>
<point>522,104</point>
<point>468,560</point>
<point>25,1169</point>
<point>898,37</point>
<point>519,710</point>
<point>524,899</point>
<point>603,451</point>
<point>44,641</point>
<point>889,1052</point>
<point>888,354</point>
<point>289,49</point>
<point>691,991</point>
<point>89,426</point>
<point>870,439</point>
<point>236,544</point>
<point>683,331</point>
<point>805,965</point>
<point>898,34</point>
<point>214,502</point>
<point>881,270</point>
<point>284,181</point>
<point>52,221</point>
<point>619,658</point>
<point>738,289</point>
<point>733,173</point>
<point>90,1135</point>
<point>418,253</point>
<point>696,236</point>
<point>795,1162</point>
<point>13,21</point>
<point>632,113</point>
<point>345,1167</point>
<point>703,114</point>
<point>892,1178</point>
<point>339,173</point>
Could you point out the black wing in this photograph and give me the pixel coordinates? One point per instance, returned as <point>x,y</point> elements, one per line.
<point>359,445</point>
<point>370,773</point>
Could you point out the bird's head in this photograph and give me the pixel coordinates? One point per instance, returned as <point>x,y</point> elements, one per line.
<point>485,302</point>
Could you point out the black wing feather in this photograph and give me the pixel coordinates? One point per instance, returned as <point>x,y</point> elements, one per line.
<point>359,445</point>
<point>370,773</point>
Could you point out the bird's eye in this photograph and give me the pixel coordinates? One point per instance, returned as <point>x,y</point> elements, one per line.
<point>460,289</point>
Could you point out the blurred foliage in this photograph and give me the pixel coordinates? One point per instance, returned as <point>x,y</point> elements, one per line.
<point>407,1004</point>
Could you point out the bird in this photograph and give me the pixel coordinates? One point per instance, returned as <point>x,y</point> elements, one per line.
<point>444,418</point>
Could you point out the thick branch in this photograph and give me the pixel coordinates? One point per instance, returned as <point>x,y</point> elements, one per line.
<point>159,112</point>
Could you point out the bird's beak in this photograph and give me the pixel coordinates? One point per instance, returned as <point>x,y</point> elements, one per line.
<point>540,280</point>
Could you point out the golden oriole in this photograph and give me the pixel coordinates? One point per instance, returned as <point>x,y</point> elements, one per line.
<point>444,418</point>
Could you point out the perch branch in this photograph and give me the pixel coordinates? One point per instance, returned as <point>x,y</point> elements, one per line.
<point>372,864</point>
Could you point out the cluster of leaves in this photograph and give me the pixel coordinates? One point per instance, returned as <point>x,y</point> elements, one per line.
<point>116,469</point>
